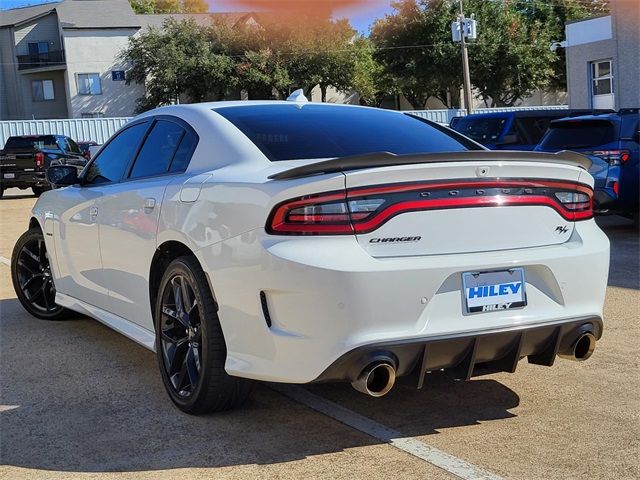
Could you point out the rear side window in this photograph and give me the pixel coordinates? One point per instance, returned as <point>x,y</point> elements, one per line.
<point>296,132</point>
<point>39,143</point>
<point>482,130</point>
<point>183,153</point>
<point>111,163</point>
<point>579,134</point>
<point>532,129</point>
<point>158,149</point>
<point>73,146</point>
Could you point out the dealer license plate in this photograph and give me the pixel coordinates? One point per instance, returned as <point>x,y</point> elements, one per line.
<point>491,291</point>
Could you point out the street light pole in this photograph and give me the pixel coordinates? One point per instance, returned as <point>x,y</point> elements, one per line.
<point>465,64</point>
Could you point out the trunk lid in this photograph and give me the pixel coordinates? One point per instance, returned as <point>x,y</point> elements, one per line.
<point>462,207</point>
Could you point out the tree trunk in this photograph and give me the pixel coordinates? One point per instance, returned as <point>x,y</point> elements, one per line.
<point>323,92</point>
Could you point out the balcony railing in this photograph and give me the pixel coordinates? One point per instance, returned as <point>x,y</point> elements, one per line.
<point>49,59</point>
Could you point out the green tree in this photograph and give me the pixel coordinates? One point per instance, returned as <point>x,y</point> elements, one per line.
<point>555,15</point>
<point>369,78</point>
<point>179,59</point>
<point>169,6</point>
<point>511,57</point>
<point>414,46</point>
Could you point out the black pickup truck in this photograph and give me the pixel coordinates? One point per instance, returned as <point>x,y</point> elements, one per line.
<point>25,159</point>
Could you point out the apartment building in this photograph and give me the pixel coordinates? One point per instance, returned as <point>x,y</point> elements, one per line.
<point>61,60</point>
<point>603,59</point>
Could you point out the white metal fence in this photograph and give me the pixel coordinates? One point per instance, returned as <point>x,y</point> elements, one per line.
<point>96,129</point>
<point>100,129</point>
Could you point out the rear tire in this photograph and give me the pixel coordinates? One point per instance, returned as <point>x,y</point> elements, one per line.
<point>190,345</point>
<point>32,279</point>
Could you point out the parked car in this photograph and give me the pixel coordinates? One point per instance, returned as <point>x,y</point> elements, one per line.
<point>612,141</point>
<point>25,159</point>
<point>85,147</point>
<point>299,242</point>
<point>519,130</point>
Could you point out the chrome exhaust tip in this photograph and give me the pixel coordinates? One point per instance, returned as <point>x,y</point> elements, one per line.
<point>581,349</point>
<point>377,379</point>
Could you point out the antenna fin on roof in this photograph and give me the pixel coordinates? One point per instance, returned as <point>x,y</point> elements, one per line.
<point>297,96</point>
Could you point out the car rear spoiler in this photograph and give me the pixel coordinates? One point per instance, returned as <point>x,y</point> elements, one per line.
<point>387,159</point>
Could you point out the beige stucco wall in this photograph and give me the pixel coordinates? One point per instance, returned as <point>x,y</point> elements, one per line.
<point>626,30</point>
<point>578,75</point>
<point>56,108</point>
<point>97,51</point>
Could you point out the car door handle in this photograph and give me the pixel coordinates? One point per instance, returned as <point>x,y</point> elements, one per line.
<point>149,204</point>
<point>93,211</point>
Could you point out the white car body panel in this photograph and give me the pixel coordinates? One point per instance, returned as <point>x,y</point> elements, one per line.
<point>326,294</point>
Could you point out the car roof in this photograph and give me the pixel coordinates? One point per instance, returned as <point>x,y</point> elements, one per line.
<point>603,116</point>
<point>520,113</point>
<point>213,106</point>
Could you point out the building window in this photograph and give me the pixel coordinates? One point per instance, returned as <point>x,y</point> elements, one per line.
<point>89,84</point>
<point>42,90</point>
<point>602,77</point>
<point>38,48</point>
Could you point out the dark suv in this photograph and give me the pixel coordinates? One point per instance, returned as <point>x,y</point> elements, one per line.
<point>612,141</point>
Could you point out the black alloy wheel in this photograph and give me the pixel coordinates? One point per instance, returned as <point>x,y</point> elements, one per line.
<point>181,335</point>
<point>32,279</point>
<point>190,345</point>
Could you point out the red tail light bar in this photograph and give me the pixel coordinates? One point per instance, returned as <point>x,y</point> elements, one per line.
<point>363,210</point>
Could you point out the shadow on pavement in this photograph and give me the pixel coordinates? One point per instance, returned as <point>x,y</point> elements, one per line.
<point>80,397</point>
<point>624,270</point>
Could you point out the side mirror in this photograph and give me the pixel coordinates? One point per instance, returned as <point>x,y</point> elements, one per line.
<point>62,175</point>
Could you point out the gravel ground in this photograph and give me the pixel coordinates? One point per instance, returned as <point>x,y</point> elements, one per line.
<point>78,400</point>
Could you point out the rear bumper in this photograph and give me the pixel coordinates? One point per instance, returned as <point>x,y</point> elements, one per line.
<point>325,297</point>
<point>23,180</point>
<point>468,354</point>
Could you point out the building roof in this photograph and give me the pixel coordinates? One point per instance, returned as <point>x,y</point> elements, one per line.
<point>81,14</point>
<point>78,14</point>
<point>203,19</point>
<point>97,14</point>
<point>18,15</point>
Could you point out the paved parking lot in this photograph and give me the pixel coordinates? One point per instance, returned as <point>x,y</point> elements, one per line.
<point>80,401</point>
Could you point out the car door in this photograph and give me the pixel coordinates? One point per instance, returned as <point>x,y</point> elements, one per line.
<point>129,215</point>
<point>77,236</point>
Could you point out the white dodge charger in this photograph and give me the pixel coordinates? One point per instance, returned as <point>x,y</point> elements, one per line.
<point>299,242</point>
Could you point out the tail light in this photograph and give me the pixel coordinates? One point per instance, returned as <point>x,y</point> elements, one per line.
<point>614,157</point>
<point>39,158</point>
<point>363,210</point>
<point>616,188</point>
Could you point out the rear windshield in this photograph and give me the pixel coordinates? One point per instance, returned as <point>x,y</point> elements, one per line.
<point>482,130</point>
<point>295,132</point>
<point>38,143</point>
<point>579,134</point>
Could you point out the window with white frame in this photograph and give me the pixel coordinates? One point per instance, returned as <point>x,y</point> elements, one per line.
<point>42,90</point>
<point>602,77</point>
<point>89,84</point>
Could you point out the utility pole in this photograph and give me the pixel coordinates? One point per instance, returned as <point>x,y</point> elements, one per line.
<point>465,63</point>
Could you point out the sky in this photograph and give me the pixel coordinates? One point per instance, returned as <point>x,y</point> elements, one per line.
<point>360,17</point>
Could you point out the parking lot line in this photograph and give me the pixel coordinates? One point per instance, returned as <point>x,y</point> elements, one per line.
<point>6,261</point>
<point>456,466</point>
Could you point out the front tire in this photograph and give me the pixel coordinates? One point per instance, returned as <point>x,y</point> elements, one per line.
<point>190,345</point>
<point>32,279</point>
